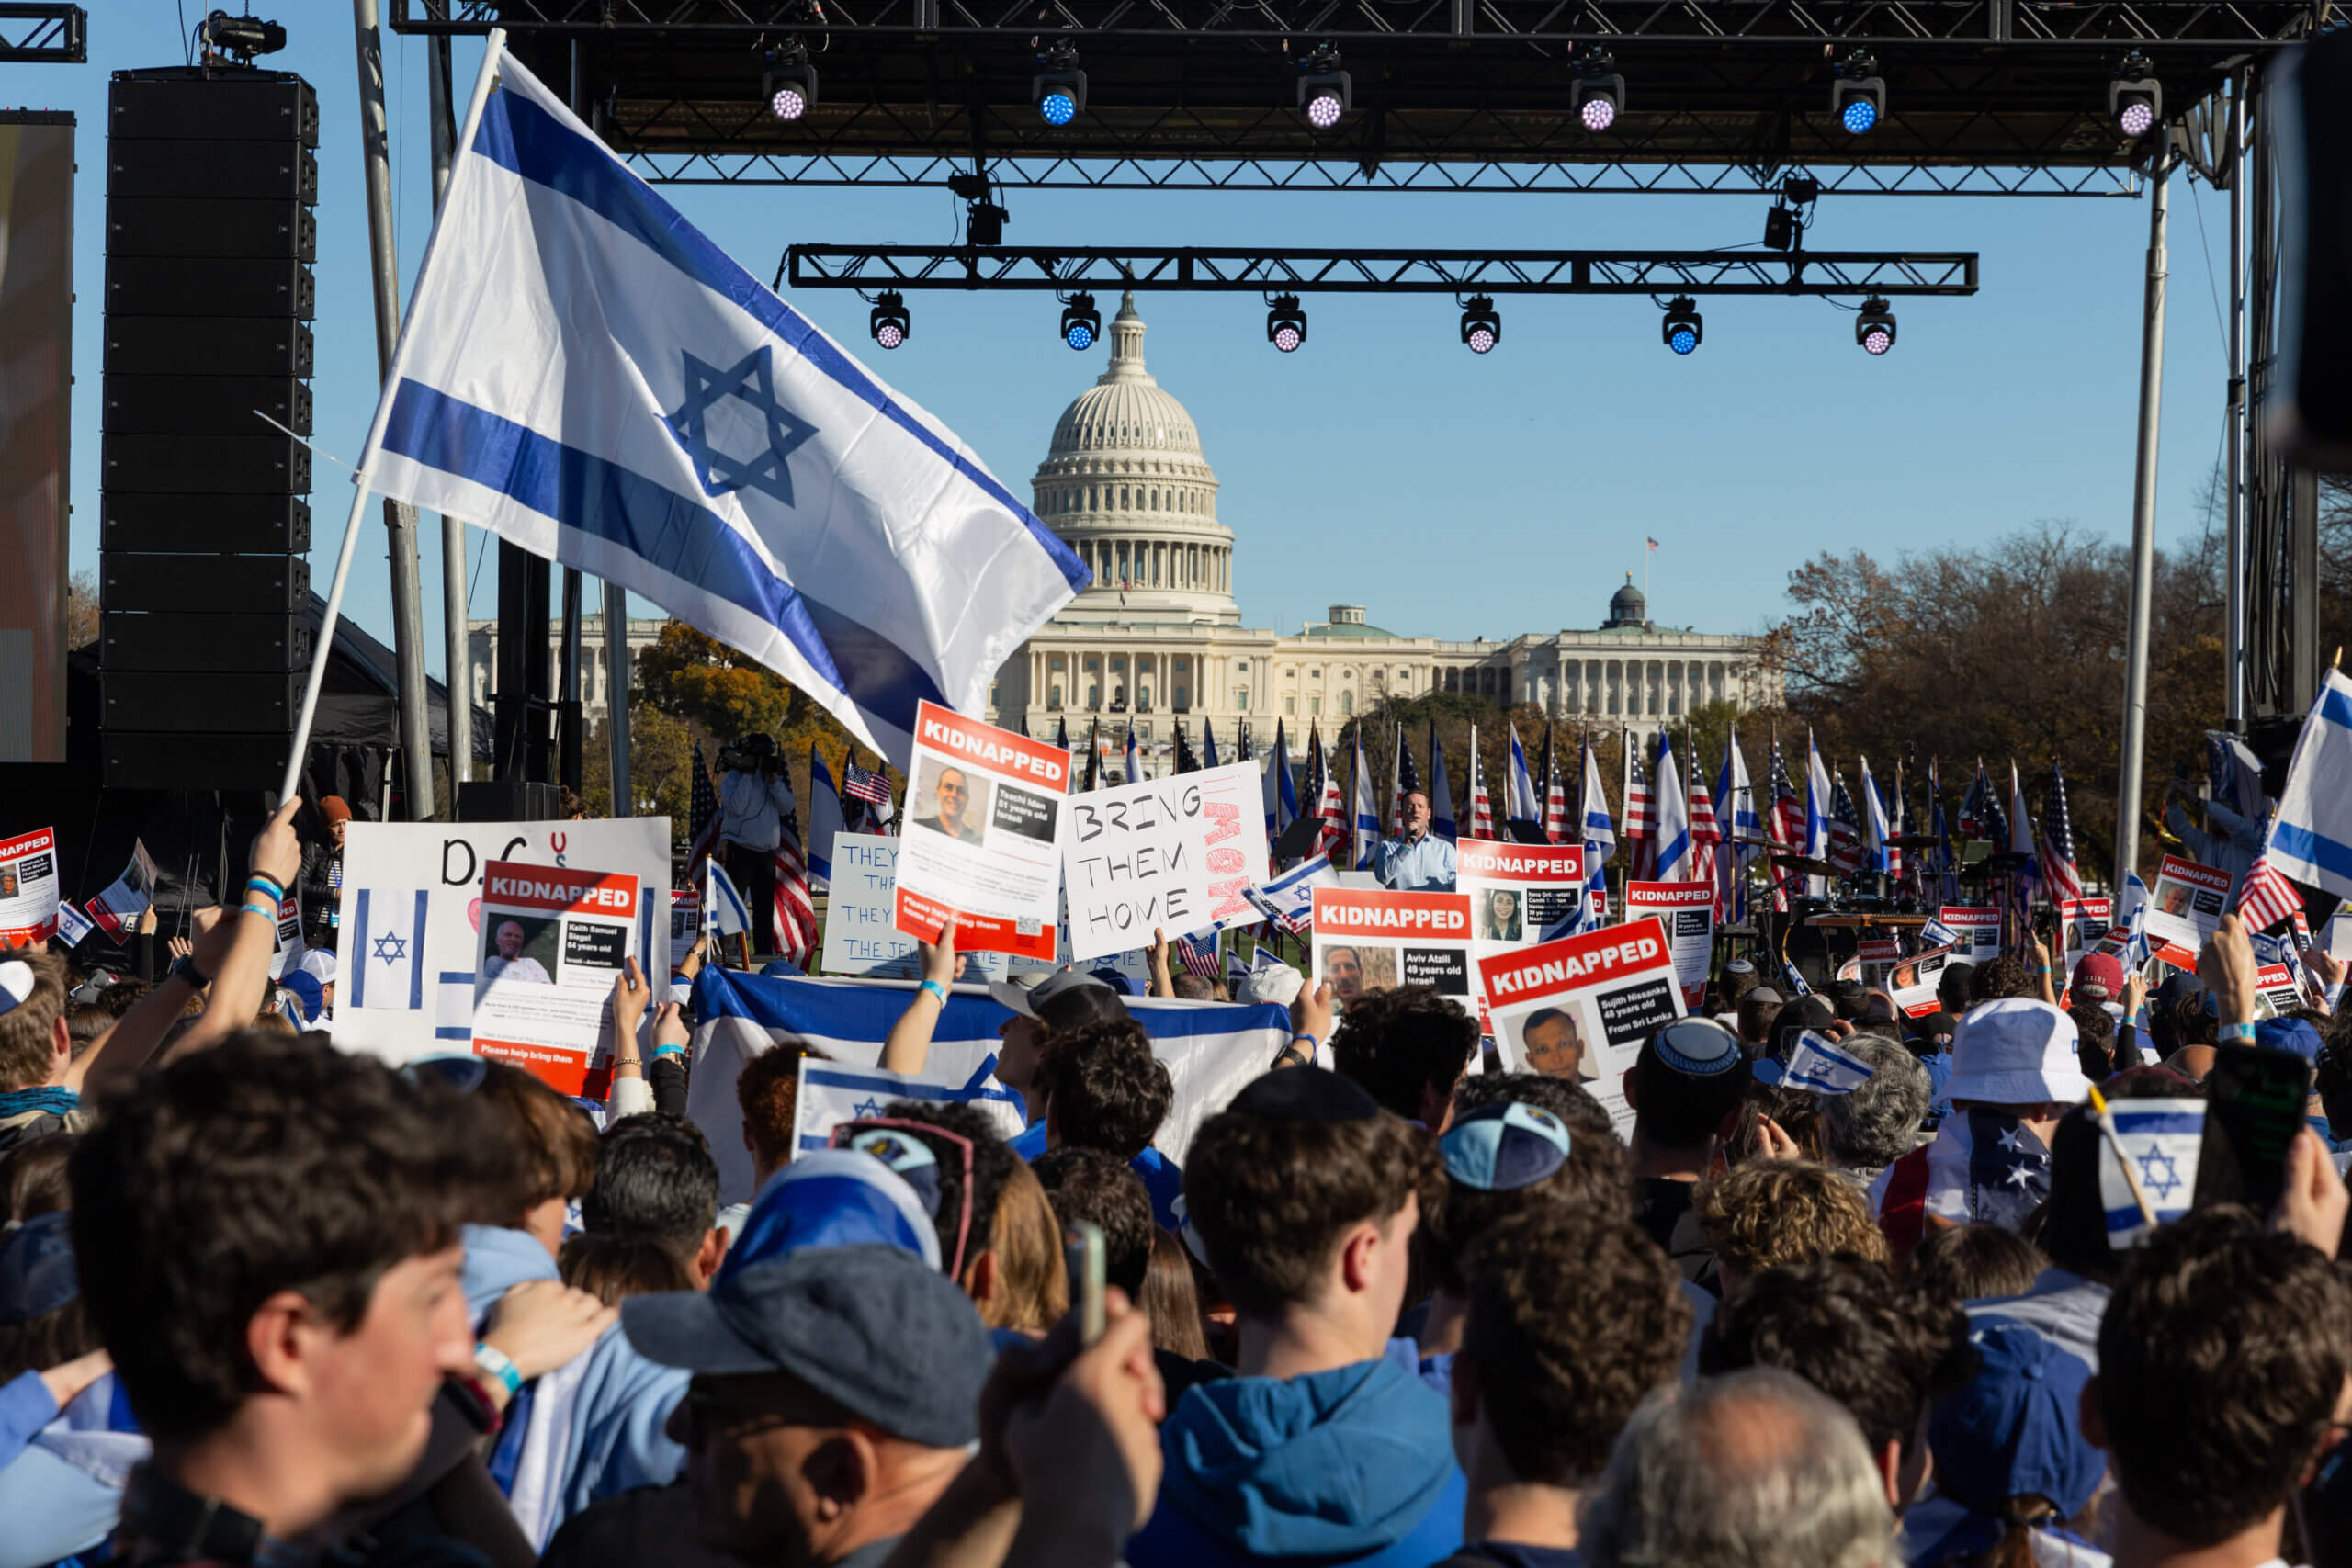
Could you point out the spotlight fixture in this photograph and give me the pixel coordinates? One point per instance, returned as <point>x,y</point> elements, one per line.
<point>1058,89</point>
<point>244,36</point>
<point>1598,92</point>
<point>889,322</point>
<point>1681,329</point>
<point>1324,91</point>
<point>1874,328</point>
<point>789,85</point>
<point>1082,322</point>
<point>1481,327</point>
<point>2135,98</point>
<point>1285,323</point>
<point>1858,96</point>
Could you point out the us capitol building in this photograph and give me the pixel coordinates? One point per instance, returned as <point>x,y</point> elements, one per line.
<point>1160,636</point>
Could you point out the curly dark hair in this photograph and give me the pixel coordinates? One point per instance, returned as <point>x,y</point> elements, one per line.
<point>1592,1178</point>
<point>1104,1089</point>
<point>767,1091</point>
<point>1404,1046</point>
<point>2221,1355</point>
<point>33,1179</point>
<point>265,1164</point>
<point>1973,1263</point>
<point>1844,1325</point>
<point>992,1163</point>
<point>1575,1318</point>
<point>613,1265</point>
<point>1271,1196</point>
<point>2094,1040</point>
<point>1087,1184</point>
<point>548,1143</point>
<point>2006,974</point>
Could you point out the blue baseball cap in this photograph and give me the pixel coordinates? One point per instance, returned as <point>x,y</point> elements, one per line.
<point>37,1273</point>
<point>1504,1146</point>
<point>2016,1428</point>
<point>2294,1034</point>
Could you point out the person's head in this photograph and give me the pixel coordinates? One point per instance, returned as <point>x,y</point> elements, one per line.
<point>1739,978</point>
<point>2073,1223</point>
<point>2008,1444</point>
<point>2224,1354</point>
<point>123,995</point>
<point>2196,1020</point>
<point>1191,988</point>
<point>1417,811</point>
<point>1343,971</point>
<point>613,1265</point>
<point>833,1397</point>
<point>2005,975</point>
<point>1846,997</point>
<point>1503,907</point>
<point>1686,1084</point>
<point>1062,1002</point>
<point>2094,1039</point>
<point>1769,1213</point>
<point>1797,1111</point>
<point>1759,1009</point>
<point>1847,1328</point>
<point>1872,1125</point>
<point>1757,1469</point>
<point>42,1321</point>
<point>974,1168</point>
<point>1104,1089</point>
<point>2098,977</point>
<point>954,793</point>
<point>1573,1318</point>
<point>85,1024</point>
<point>550,1151</point>
<point>35,1043</point>
<point>1973,1263</point>
<point>1509,1159</point>
<point>267,1237</point>
<point>2333,1080</point>
<point>1594,1147</point>
<point>1306,1195</point>
<point>1087,1184</point>
<point>1172,1300</point>
<point>2016,1055</point>
<point>33,1178</point>
<point>1029,1287</point>
<point>1552,1044</point>
<point>1953,987</point>
<point>337,814</point>
<point>1408,1047</point>
<point>655,1178</point>
<point>767,1091</point>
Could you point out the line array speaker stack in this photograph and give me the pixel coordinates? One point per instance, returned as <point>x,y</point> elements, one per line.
<point>212,174</point>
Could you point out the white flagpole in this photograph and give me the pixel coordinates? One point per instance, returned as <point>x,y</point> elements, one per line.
<point>494,50</point>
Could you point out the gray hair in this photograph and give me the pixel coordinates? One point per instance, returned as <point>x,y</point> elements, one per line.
<point>1757,1469</point>
<point>1874,1125</point>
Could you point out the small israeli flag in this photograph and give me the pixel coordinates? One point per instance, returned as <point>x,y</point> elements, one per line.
<point>723,908</point>
<point>1935,933</point>
<point>383,964</point>
<point>2161,1138</point>
<point>1817,1065</point>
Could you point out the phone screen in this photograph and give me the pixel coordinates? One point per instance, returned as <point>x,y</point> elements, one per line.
<point>1083,1254</point>
<point>2256,1103</point>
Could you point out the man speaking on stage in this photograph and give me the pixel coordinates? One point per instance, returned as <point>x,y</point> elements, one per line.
<point>1418,861</point>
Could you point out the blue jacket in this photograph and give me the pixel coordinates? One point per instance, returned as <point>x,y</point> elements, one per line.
<point>1353,1466</point>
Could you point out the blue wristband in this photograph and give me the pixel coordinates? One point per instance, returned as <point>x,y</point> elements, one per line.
<point>494,1363</point>
<point>669,1050</point>
<point>2237,1031</point>
<point>268,885</point>
<point>269,915</point>
<point>935,989</point>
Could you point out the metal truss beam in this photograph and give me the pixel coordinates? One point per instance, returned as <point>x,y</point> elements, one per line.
<point>37,32</point>
<point>1061,269</point>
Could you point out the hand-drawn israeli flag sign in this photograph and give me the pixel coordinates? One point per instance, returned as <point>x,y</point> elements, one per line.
<point>585,374</point>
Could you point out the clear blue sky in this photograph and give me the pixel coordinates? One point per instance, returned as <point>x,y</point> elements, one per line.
<point>1384,464</point>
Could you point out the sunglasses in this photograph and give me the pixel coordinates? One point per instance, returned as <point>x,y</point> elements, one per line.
<point>930,1137</point>
<point>458,1074</point>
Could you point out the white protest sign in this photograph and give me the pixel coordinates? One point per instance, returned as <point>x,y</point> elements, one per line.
<point>2083,922</point>
<point>289,949</point>
<point>835,1092</point>
<point>685,924</point>
<point>984,810</point>
<point>2275,988</point>
<point>1288,900</point>
<point>2183,908</point>
<point>1977,930</point>
<point>420,993</point>
<point>1375,940</point>
<point>862,934</point>
<point>1581,1007</point>
<point>1519,894</point>
<point>2338,936</point>
<point>28,896</point>
<point>1687,911</point>
<point>1912,983</point>
<point>1167,854</point>
<point>126,898</point>
<point>552,941</point>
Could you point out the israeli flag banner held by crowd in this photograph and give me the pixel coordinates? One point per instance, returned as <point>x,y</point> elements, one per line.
<point>584,373</point>
<point>2312,841</point>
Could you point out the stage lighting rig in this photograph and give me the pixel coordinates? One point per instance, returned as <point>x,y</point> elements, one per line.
<point>1323,92</point>
<point>1858,96</point>
<point>1682,330</point>
<point>1482,328</point>
<point>1598,92</point>
<point>1058,89</point>
<point>244,36</point>
<point>1792,214</point>
<point>1874,328</point>
<point>890,324</point>
<point>789,87</point>
<point>2135,98</point>
<point>1082,322</point>
<point>1285,323</point>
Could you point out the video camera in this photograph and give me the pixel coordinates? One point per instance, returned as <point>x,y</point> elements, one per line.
<point>749,754</point>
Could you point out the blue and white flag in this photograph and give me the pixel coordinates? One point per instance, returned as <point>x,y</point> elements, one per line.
<point>1671,834</point>
<point>1935,933</point>
<point>1365,814</point>
<point>1524,805</point>
<point>72,926</point>
<point>2131,926</point>
<point>1817,1065</point>
<point>1818,808</point>
<point>1289,899</point>
<point>826,818</point>
<point>585,374</point>
<point>1211,1049</point>
<point>2161,1138</point>
<point>2311,840</point>
<point>1441,794</point>
<point>387,944</point>
<point>724,912</point>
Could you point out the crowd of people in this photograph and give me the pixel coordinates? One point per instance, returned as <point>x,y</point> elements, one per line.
<point>266,1302</point>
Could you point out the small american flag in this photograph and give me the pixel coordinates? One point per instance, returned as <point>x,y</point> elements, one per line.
<point>1653,542</point>
<point>796,908</point>
<point>1783,822</point>
<point>702,818</point>
<point>866,784</point>
<point>1482,805</point>
<point>1706,838</point>
<point>1845,830</point>
<point>1639,825</point>
<point>2060,880</point>
<point>1981,816</point>
<point>1198,958</point>
<point>1408,781</point>
<point>2267,897</point>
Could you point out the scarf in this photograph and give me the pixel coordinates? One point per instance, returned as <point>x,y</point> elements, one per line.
<point>47,1100</point>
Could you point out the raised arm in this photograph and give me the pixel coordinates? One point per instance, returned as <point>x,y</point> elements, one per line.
<point>908,1047</point>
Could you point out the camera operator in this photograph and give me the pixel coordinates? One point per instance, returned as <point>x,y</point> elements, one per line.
<point>754,801</point>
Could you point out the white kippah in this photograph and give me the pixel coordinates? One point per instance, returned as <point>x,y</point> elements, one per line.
<point>16,985</point>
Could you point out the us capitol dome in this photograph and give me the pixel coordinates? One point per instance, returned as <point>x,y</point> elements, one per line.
<point>1158,641</point>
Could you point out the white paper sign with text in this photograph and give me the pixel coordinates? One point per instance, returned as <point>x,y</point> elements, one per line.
<point>29,889</point>
<point>1687,911</point>
<point>982,840</point>
<point>1170,854</point>
<point>553,940</point>
<point>1581,1007</point>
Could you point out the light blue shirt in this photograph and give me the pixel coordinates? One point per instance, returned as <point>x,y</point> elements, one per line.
<point>1409,867</point>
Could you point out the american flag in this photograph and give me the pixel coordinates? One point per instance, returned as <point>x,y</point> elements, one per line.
<point>864,783</point>
<point>1706,838</point>
<point>1783,821</point>
<point>1945,868</point>
<point>2267,897</point>
<point>1554,791</point>
<point>702,818</point>
<point>2059,879</point>
<point>1321,798</point>
<point>1845,830</point>
<point>1404,778</point>
<point>1482,805</point>
<point>1981,816</point>
<point>1198,958</point>
<point>796,908</point>
<point>1185,761</point>
<point>1640,823</point>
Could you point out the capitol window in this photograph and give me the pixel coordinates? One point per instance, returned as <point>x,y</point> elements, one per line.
<point>1315,708</point>
<point>1241,699</point>
<point>1183,699</point>
<point>1054,697</point>
<point>1289,706</point>
<point>1347,702</point>
<point>1242,665</point>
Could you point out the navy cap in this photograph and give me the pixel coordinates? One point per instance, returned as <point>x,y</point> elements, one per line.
<point>1504,1146</point>
<point>2016,1428</point>
<point>871,1329</point>
<point>1305,1094</point>
<point>1698,1047</point>
<point>2294,1034</point>
<point>36,1268</point>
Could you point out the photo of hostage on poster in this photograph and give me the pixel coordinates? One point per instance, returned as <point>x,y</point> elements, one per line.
<point>1581,1007</point>
<point>1374,939</point>
<point>1912,983</point>
<point>1686,911</point>
<point>984,819</point>
<point>552,938</point>
<point>1977,930</point>
<point>1177,855</point>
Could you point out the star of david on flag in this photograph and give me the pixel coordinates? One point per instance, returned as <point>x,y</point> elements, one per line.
<point>385,930</point>
<point>2161,1138</point>
<point>786,431</point>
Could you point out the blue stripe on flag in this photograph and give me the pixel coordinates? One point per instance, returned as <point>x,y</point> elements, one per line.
<point>655,524</point>
<point>360,970</point>
<point>450,1032</point>
<point>520,137</point>
<point>895,1090</point>
<point>2187,1123</point>
<point>416,957</point>
<point>2335,707</point>
<point>2296,843</point>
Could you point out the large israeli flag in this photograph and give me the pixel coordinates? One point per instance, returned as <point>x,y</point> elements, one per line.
<point>2312,841</point>
<point>585,374</point>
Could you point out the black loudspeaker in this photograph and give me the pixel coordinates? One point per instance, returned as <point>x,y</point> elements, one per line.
<point>206,638</point>
<point>508,800</point>
<point>2309,414</point>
